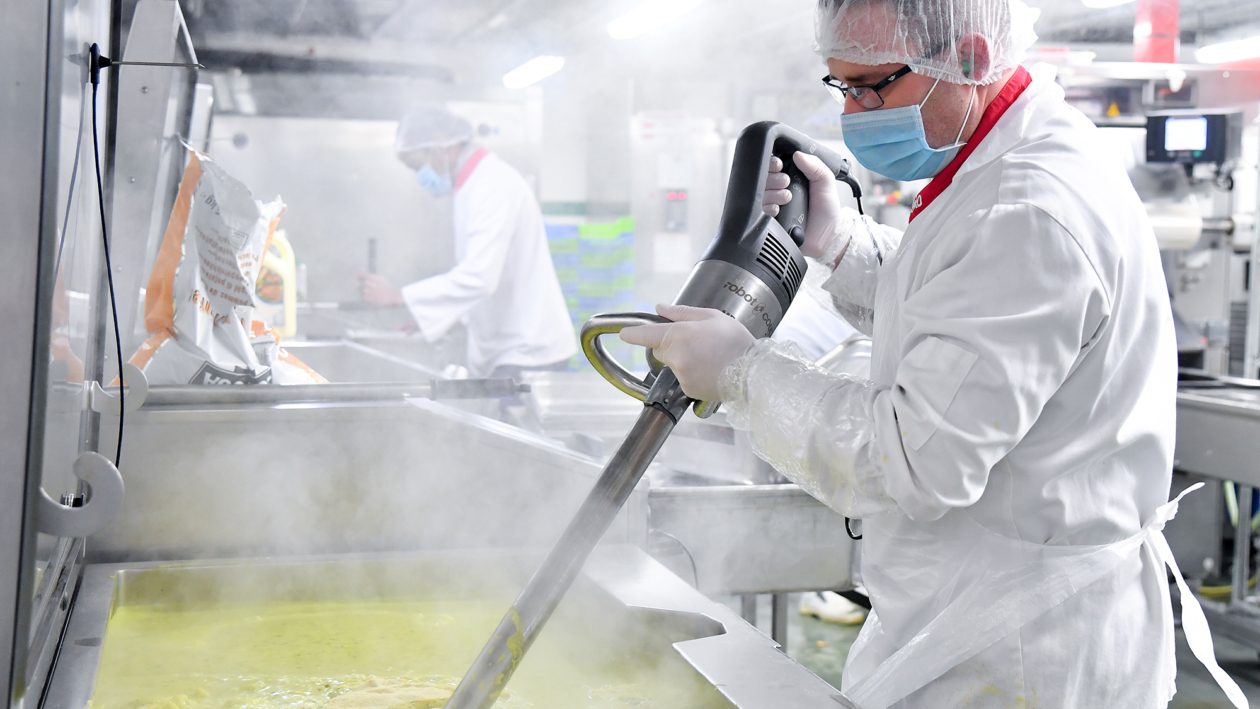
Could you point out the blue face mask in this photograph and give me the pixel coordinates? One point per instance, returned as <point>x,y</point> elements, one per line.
<point>893,143</point>
<point>434,183</point>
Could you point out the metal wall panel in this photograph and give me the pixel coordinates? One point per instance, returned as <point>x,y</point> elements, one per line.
<point>24,50</point>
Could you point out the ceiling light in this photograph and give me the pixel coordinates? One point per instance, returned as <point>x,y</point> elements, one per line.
<point>532,71</point>
<point>649,16</point>
<point>1225,52</point>
<point>1098,4</point>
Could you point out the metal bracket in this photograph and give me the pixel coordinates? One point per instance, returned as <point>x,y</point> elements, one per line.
<point>104,402</point>
<point>105,498</point>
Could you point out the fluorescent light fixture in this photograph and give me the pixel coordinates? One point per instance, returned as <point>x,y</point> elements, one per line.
<point>532,71</point>
<point>649,16</point>
<point>1225,52</point>
<point>1099,4</point>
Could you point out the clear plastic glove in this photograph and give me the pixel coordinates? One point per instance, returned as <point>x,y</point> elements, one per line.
<point>816,427</point>
<point>829,224</point>
<point>697,345</point>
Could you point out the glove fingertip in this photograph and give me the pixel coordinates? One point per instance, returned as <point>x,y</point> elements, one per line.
<point>686,313</point>
<point>813,166</point>
<point>635,336</point>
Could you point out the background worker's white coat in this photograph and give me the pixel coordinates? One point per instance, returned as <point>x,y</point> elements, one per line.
<point>1020,419</point>
<point>504,286</point>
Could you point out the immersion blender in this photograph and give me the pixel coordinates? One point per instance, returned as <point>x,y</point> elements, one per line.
<point>751,271</point>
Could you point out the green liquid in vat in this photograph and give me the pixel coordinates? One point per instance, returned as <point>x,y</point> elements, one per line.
<point>301,655</point>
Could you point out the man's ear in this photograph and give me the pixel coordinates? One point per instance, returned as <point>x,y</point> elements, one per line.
<point>973,56</point>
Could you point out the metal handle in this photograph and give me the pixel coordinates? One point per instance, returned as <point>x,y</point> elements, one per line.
<point>607,366</point>
<point>103,401</point>
<point>105,498</point>
<point>612,370</point>
<point>750,166</point>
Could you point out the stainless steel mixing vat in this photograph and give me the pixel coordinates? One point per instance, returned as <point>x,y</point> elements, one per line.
<point>624,605</point>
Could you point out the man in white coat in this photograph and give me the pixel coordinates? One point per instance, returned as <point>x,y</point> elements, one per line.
<point>504,286</point>
<point>1011,455</point>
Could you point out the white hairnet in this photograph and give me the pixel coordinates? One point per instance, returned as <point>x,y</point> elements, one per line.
<point>925,34</point>
<point>431,127</point>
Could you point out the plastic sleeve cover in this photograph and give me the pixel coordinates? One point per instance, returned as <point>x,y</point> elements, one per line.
<point>849,287</point>
<point>814,426</point>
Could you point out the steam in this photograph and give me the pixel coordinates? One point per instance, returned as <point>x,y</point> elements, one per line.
<point>306,99</point>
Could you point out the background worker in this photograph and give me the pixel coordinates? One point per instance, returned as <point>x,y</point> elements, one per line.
<point>1012,452</point>
<point>503,286</point>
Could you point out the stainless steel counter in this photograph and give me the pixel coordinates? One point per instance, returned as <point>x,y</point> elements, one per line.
<point>1218,429</point>
<point>745,527</point>
<point>342,360</point>
<point>755,538</point>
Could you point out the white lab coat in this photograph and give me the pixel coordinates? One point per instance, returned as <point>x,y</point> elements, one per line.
<point>504,286</point>
<point>1019,421</point>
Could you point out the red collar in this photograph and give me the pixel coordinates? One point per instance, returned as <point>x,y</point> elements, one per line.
<point>1014,87</point>
<point>469,165</point>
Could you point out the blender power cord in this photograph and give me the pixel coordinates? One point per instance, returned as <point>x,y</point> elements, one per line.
<point>109,266</point>
<point>96,62</point>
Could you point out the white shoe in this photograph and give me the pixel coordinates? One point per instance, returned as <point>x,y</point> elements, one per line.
<point>832,607</point>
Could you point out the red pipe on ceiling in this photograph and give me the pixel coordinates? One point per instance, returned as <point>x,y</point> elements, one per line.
<point>1156,34</point>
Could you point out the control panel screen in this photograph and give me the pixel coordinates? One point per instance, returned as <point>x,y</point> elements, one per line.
<point>1190,133</point>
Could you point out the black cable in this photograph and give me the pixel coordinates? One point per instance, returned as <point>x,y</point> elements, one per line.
<point>856,598</point>
<point>109,267</point>
<point>857,190</point>
<point>847,528</point>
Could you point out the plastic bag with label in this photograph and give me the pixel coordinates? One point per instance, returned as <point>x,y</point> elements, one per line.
<point>199,305</point>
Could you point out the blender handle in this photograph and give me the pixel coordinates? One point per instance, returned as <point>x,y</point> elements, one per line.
<point>612,370</point>
<point>607,366</point>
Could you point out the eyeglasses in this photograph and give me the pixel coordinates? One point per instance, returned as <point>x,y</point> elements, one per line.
<point>866,96</point>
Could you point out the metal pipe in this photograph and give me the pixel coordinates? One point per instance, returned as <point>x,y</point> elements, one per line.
<point>1242,546</point>
<point>748,608</point>
<point>1251,348</point>
<point>276,394</point>
<point>493,668</point>
<point>779,619</point>
<point>1224,225</point>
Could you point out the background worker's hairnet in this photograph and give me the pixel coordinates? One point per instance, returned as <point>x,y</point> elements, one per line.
<point>925,33</point>
<point>431,127</point>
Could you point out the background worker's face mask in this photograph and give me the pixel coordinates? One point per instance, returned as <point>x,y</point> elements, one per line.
<point>435,183</point>
<point>893,143</point>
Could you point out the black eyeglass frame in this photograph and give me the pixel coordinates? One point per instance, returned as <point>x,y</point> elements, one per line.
<point>832,82</point>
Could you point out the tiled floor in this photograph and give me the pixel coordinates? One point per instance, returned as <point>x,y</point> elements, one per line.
<point>823,647</point>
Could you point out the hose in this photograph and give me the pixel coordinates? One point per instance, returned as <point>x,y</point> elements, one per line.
<point>1218,593</point>
<point>1231,506</point>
